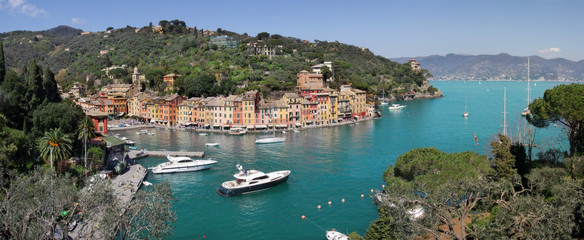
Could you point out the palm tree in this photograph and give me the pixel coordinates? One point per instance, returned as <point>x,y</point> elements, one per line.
<point>55,144</point>
<point>86,131</point>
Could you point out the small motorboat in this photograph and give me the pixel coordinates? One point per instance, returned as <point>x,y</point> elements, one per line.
<point>334,235</point>
<point>130,142</point>
<point>296,131</point>
<point>138,133</point>
<point>284,132</point>
<point>203,134</point>
<point>132,147</point>
<point>146,183</point>
<point>211,144</point>
<point>182,164</point>
<point>395,106</point>
<point>270,140</point>
<point>251,181</point>
<point>237,131</point>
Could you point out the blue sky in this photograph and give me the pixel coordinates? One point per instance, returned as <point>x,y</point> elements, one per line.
<point>390,28</point>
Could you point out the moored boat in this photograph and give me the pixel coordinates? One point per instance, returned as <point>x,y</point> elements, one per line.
<point>211,144</point>
<point>237,131</point>
<point>270,140</point>
<point>183,164</point>
<point>395,106</point>
<point>251,181</point>
<point>334,235</point>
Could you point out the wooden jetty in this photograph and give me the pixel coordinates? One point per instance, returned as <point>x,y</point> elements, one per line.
<point>134,154</point>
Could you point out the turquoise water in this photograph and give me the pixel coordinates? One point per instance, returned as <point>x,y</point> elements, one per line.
<point>328,164</point>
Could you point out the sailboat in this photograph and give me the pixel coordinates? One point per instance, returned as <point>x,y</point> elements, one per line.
<point>465,114</point>
<point>384,101</point>
<point>526,110</point>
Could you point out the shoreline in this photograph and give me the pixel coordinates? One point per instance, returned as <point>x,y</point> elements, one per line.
<point>249,131</point>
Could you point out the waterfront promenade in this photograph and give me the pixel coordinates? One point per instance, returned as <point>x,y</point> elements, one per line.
<point>124,187</point>
<point>134,154</point>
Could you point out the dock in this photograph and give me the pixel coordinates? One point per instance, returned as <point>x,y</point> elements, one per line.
<point>135,154</point>
<point>124,187</point>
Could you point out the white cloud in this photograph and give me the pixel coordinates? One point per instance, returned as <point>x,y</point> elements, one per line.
<point>78,21</point>
<point>22,7</point>
<point>550,50</point>
<point>32,10</point>
<point>15,3</point>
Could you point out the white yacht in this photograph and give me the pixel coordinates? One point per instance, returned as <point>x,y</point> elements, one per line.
<point>334,235</point>
<point>270,140</point>
<point>251,181</point>
<point>183,164</point>
<point>396,106</point>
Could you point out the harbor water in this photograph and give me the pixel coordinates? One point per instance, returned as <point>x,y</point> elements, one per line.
<point>330,164</point>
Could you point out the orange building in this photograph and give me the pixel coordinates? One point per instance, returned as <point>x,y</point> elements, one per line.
<point>304,79</point>
<point>169,80</point>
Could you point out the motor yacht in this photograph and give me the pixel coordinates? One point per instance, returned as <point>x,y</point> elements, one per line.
<point>247,181</point>
<point>395,106</point>
<point>183,164</point>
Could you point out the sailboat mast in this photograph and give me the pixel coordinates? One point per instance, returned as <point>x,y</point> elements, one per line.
<point>528,87</point>
<point>505,111</point>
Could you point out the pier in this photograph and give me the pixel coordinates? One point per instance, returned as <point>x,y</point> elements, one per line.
<point>135,154</point>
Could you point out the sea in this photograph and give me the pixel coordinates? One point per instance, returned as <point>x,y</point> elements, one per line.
<point>333,167</point>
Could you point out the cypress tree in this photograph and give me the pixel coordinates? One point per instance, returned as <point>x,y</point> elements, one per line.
<point>2,63</point>
<point>50,86</point>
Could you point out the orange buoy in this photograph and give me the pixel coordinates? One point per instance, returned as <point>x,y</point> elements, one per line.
<point>362,196</point>
<point>372,190</point>
<point>343,200</point>
<point>318,206</point>
<point>329,202</point>
<point>204,236</point>
<point>383,186</point>
<point>303,217</point>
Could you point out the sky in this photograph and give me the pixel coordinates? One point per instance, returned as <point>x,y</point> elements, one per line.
<point>390,28</point>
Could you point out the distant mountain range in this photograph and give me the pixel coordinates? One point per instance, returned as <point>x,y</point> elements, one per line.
<point>499,67</point>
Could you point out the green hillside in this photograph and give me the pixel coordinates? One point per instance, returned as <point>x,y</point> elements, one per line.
<point>187,52</point>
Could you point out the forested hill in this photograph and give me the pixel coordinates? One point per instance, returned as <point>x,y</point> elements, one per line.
<point>499,67</point>
<point>187,51</point>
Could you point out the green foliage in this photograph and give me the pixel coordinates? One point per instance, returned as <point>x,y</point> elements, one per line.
<point>503,160</point>
<point>64,115</point>
<point>55,145</point>
<point>118,72</point>
<point>200,85</point>
<point>95,156</point>
<point>2,63</point>
<point>50,86</point>
<point>14,146</point>
<point>432,167</point>
<point>561,104</point>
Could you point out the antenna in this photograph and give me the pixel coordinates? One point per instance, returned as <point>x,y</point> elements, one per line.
<point>505,111</point>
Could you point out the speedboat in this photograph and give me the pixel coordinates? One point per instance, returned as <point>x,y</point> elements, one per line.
<point>395,106</point>
<point>183,164</point>
<point>251,181</point>
<point>211,144</point>
<point>237,131</point>
<point>270,140</point>
<point>334,235</point>
<point>384,103</point>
